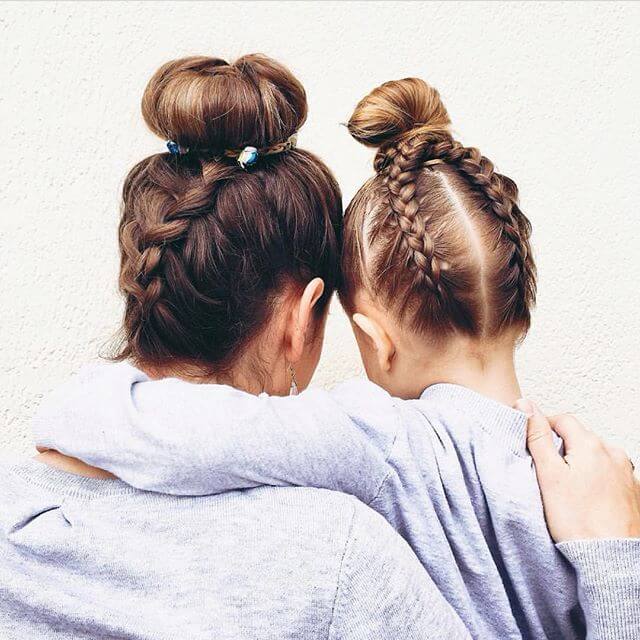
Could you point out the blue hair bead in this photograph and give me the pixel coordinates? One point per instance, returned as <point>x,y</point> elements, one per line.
<point>174,148</point>
<point>248,157</point>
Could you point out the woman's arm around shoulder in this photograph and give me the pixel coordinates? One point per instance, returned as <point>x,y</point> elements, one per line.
<point>592,506</point>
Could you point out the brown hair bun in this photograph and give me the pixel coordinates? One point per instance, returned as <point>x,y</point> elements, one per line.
<point>205,103</point>
<point>395,109</point>
<point>208,248</point>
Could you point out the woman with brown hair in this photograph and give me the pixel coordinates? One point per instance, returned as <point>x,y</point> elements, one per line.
<point>227,273</point>
<point>439,281</point>
<point>230,250</point>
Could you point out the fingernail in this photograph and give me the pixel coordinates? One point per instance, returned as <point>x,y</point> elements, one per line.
<point>526,406</point>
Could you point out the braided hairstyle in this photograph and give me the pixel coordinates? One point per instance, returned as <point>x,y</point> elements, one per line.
<point>437,233</point>
<point>206,246</point>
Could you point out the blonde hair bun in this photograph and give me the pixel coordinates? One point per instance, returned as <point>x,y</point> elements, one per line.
<point>396,109</point>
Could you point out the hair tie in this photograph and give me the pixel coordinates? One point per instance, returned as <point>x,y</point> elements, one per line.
<point>246,157</point>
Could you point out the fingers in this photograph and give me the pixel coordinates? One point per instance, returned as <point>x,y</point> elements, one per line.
<point>619,455</point>
<point>622,459</point>
<point>577,437</point>
<point>572,432</point>
<point>540,437</point>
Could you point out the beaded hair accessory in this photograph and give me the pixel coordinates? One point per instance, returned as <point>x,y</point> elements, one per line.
<point>246,157</point>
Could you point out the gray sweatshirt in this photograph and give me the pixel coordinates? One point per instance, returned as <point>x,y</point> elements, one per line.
<point>449,471</point>
<point>98,559</point>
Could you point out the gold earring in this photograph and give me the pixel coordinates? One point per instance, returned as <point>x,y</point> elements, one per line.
<point>293,389</point>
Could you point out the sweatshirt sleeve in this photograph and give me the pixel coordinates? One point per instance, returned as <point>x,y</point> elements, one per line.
<point>383,591</point>
<point>175,437</point>
<point>608,574</point>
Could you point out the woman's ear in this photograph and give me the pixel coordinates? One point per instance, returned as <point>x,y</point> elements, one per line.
<point>301,319</point>
<point>379,339</point>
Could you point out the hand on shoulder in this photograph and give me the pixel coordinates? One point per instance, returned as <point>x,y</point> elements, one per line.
<point>589,491</point>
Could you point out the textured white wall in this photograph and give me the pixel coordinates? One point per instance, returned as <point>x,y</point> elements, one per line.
<point>549,91</point>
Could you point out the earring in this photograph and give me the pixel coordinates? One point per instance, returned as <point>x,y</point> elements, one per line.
<point>293,389</point>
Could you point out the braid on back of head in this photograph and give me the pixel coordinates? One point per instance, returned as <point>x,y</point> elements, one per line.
<point>502,198</point>
<point>447,245</point>
<point>169,195</point>
<point>400,165</point>
<point>208,246</point>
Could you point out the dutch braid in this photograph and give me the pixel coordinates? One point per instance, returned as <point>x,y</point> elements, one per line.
<point>400,165</point>
<point>150,243</point>
<point>501,195</point>
<point>205,245</point>
<point>430,193</point>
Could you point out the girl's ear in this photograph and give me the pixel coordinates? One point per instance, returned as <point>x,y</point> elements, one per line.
<point>379,338</point>
<point>301,319</point>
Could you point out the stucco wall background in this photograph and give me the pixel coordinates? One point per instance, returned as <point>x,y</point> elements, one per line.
<point>548,91</point>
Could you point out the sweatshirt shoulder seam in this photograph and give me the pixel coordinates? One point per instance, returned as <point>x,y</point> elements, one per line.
<point>388,455</point>
<point>341,571</point>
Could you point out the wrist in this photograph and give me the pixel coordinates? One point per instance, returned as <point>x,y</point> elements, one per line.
<point>608,585</point>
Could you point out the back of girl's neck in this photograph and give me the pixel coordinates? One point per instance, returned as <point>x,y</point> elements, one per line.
<point>487,369</point>
<point>499,383</point>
